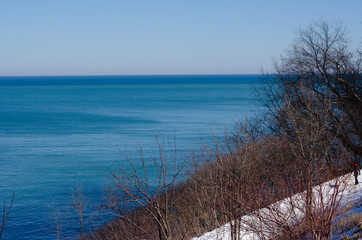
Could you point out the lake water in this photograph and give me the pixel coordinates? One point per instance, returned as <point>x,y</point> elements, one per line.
<point>58,133</point>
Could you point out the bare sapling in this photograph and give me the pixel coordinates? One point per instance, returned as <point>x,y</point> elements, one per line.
<point>6,215</point>
<point>150,189</point>
<point>79,205</point>
<point>58,220</point>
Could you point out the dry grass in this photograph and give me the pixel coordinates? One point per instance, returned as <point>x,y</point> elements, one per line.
<point>349,225</point>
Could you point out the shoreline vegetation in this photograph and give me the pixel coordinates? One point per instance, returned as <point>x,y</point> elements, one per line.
<point>310,135</point>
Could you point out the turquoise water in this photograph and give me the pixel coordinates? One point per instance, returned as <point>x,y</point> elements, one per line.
<point>58,133</point>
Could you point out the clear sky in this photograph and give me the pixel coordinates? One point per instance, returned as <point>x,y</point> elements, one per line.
<point>119,37</point>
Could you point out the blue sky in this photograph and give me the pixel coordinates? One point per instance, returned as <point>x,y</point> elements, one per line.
<point>116,37</point>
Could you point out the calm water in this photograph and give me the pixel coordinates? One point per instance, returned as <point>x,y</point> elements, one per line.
<point>58,133</point>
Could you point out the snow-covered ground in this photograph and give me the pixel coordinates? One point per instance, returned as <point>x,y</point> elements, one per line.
<point>349,194</point>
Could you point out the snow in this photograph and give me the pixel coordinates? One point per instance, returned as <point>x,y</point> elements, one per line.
<point>350,194</point>
<point>357,209</point>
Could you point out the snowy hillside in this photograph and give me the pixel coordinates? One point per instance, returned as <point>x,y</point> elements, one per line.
<point>349,202</point>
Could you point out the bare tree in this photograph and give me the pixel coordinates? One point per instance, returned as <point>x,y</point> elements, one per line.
<point>149,196</point>
<point>320,61</point>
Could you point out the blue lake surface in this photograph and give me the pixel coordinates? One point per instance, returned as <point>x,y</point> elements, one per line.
<point>59,133</point>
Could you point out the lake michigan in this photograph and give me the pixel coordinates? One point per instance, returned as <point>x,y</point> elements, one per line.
<point>58,134</point>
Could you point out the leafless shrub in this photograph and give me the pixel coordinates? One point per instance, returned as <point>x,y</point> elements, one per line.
<point>57,222</point>
<point>6,215</point>
<point>286,219</point>
<point>79,205</point>
<point>153,198</point>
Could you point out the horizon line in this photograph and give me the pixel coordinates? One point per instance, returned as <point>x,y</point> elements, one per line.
<point>134,75</point>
